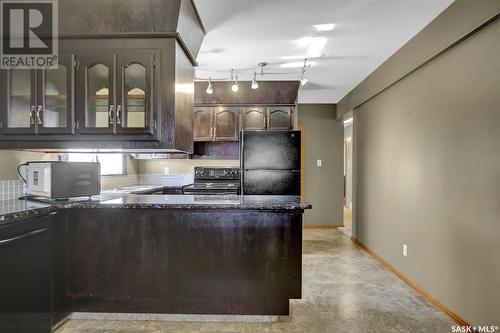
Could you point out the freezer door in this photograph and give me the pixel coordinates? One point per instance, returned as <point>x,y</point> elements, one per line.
<point>271,182</point>
<point>272,150</point>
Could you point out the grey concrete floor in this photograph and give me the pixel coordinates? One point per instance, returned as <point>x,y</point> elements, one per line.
<point>344,290</point>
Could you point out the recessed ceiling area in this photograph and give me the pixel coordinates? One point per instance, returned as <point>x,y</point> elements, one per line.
<point>344,40</point>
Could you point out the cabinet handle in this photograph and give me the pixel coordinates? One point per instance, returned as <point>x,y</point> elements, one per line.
<point>32,115</point>
<point>28,234</point>
<point>118,114</point>
<point>111,111</point>
<point>39,115</point>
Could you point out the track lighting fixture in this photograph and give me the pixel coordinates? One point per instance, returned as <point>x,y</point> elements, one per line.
<point>255,85</point>
<point>302,76</point>
<point>210,89</point>
<point>235,87</point>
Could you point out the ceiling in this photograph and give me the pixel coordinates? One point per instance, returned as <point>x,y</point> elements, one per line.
<point>242,33</point>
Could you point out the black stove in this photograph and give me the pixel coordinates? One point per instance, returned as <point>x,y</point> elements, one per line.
<point>215,180</point>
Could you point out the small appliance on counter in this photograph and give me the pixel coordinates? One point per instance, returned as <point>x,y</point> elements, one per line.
<point>62,180</point>
<point>270,162</point>
<point>215,181</point>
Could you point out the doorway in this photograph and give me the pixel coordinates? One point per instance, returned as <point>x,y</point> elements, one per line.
<point>348,174</point>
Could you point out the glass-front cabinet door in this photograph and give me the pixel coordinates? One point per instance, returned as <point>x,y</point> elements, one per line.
<point>135,93</point>
<point>96,93</point>
<point>19,101</point>
<point>55,105</point>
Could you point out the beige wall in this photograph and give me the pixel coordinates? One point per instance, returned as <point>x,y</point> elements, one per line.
<point>324,186</point>
<point>181,166</point>
<point>9,160</point>
<point>428,174</point>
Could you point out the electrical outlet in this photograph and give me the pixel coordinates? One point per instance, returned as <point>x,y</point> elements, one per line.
<point>405,250</point>
<point>166,171</point>
<point>319,163</point>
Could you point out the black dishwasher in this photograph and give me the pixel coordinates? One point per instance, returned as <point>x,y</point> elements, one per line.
<point>25,276</point>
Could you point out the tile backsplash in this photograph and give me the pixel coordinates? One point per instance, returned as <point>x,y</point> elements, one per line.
<point>11,189</point>
<point>168,180</point>
<point>110,182</point>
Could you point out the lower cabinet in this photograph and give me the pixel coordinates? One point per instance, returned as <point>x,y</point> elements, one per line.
<point>25,279</point>
<point>184,261</point>
<point>33,293</point>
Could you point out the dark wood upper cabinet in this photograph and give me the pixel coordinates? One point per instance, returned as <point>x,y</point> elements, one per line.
<point>226,127</point>
<point>253,118</point>
<point>216,123</point>
<point>279,118</point>
<point>223,123</point>
<point>203,124</point>
<point>127,82</point>
<point>38,101</point>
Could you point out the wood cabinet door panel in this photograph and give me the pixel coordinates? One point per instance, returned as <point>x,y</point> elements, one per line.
<point>279,118</point>
<point>226,124</point>
<point>253,118</point>
<point>203,123</point>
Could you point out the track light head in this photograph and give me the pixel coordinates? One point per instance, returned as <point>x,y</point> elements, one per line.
<point>255,85</point>
<point>235,87</point>
<point>210,89</point>
<point>302,76</point>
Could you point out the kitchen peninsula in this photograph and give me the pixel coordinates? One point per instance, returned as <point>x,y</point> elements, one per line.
<point>171,253</point>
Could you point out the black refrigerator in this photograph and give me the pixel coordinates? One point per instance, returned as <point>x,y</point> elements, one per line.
<point>270,162</point>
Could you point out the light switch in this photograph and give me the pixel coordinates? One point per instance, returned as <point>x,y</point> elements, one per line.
<point>405,250</point>
<point>166,171</point>
<point>319,163</point>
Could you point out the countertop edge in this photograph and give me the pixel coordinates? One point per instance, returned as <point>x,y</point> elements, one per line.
<point>44,211</point>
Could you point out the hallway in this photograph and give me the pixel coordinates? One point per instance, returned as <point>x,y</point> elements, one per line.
<point>345,290</point>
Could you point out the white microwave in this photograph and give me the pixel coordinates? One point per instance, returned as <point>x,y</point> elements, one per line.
<point>57,179</point>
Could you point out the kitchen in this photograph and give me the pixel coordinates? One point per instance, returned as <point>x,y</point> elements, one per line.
<point>166,177</point>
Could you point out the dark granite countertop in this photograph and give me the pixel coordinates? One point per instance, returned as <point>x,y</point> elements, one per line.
<point>143,189</point>
<point>15,209</point>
